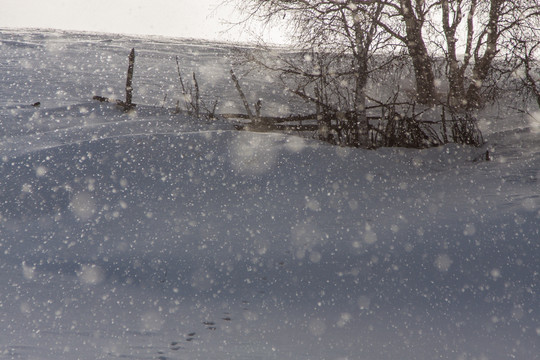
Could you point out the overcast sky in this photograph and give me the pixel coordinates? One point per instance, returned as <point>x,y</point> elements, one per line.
<point>177,18</point>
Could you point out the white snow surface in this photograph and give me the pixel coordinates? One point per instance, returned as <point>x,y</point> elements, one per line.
<point>151,235</point>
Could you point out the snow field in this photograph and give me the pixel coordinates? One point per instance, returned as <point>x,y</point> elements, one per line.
<point>154,236</point>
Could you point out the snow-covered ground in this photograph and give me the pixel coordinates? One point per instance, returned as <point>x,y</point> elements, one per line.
<point>151,235</point>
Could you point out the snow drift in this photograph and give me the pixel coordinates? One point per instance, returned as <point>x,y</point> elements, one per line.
<point>154,236</point>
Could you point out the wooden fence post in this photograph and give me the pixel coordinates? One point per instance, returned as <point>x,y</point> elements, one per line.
<point>242,95</point>
<point>128,104</point>
<point>129,81</point>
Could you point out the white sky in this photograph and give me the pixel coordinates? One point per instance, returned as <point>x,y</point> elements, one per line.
<point>177,18</point>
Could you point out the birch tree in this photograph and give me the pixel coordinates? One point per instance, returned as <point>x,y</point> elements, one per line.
<point>470,34</point>
<point>475,32</point>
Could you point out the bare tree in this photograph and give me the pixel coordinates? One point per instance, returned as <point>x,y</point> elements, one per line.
<point>405,20</point>
<point>487,28</point>
<point>472,35</point>
<point>338,39</point>
<point>524,60</point>
<point>468,35</point>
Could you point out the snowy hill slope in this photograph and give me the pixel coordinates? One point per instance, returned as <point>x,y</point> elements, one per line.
<point>155,236</point>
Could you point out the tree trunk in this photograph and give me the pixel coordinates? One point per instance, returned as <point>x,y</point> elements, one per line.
<point>456,73</point>
<point>455,83</point>
<point>483,64</point>
<point>362,119</point>
<point>363,40</point>
<point>425,80</point>
<point>422,63</point>
<point>361,124</point>
<point>456,91</point>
